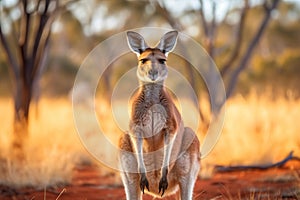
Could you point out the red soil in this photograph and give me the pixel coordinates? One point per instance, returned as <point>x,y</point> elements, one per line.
<point>88,183</point>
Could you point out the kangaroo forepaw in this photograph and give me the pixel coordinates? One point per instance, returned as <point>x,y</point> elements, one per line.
<point>144,183</point>
<point>163,185</point>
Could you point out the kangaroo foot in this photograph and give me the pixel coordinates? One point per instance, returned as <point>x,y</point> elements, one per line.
<point>144,183</point>
<point>163,185</point>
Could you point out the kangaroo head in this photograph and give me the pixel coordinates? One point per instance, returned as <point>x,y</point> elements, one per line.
<point>152,61</point>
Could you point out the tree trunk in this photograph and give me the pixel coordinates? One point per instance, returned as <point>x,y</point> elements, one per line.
<point>22,101</point>
<point>26,55</point>
<point>248,54</point>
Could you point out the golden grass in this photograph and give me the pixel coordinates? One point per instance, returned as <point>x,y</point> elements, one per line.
<point>256,130</point>
<point>51,151</point>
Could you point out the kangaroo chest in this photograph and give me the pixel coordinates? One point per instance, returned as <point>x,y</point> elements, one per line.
<point>150,114</point>
<point>153,120</point>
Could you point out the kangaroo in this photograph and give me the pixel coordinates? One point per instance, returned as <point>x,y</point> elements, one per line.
<point>158,153</point>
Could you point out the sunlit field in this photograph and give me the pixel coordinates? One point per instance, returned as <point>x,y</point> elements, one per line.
<point>52,148</point>
<point>257,130</point>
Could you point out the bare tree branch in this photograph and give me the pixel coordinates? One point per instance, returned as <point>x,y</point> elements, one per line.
<point>211,32</point>
<point>39,56</point>
<point>11,59</point>
<point>209,29</point>
<point>203,19</point>
<point>45,36</point>
<point>43,18</point>
<point>38,5</point>
<point>25,29</point>
<point>227,12</point>
<point>289,157</point>
<point>14,30</point>
<point>167,15</point>
<point>244,61</point>
<point>238,42</point>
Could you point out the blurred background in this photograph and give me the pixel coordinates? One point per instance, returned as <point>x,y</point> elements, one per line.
<point>254,43</point>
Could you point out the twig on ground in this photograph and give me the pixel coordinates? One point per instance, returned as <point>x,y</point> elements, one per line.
<point>289,157</point>
<point>60,193</point>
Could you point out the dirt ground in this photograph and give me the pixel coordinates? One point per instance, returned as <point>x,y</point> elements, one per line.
<point>88,183</point>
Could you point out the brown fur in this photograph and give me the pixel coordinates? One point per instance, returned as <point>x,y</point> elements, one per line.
<point>142,102</point>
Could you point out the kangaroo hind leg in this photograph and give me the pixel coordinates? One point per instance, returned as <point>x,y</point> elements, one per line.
<point>129,167</point>
<point>188,164</point>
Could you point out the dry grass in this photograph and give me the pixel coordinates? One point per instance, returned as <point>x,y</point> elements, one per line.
<point>51,151</point>
<point>272,125</point>
<point>256,130</point>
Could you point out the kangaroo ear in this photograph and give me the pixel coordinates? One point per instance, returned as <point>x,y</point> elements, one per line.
<point>136,42</point>
<point>167,42</point>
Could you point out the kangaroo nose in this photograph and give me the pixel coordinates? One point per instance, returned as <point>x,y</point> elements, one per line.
<point>153,74</point>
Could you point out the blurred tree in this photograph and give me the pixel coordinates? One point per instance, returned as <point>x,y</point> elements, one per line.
<point>24,33</point>
<point>237,60</point>
<point>239,48</point>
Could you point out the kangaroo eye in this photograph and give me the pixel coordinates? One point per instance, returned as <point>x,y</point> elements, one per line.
<point>162,61</point>
<point>143,61</point>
